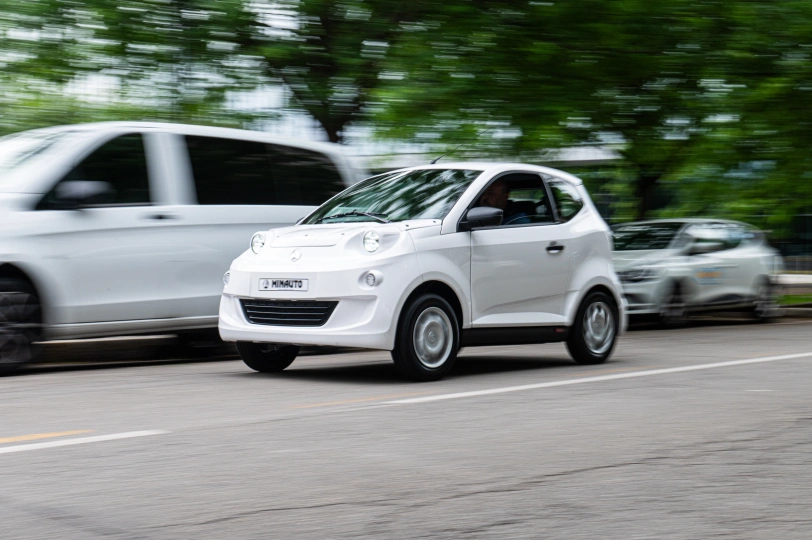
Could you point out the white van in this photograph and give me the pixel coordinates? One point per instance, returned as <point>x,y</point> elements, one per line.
<point>127,227</point>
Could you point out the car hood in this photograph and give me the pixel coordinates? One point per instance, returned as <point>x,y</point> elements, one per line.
<point>328,235</point>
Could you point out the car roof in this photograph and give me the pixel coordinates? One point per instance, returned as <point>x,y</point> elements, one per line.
<point>191,129</point>
<point>495,167</point>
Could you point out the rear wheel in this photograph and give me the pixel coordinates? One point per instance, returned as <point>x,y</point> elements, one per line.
<point>20,323</point>
<point>267,357</point>
<point>427,340</point>
<point>592,337</point>
<point>765,306</point>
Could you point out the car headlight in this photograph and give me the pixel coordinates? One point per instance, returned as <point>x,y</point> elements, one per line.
<point>645,273</point>
<point>257,242</point>
<point>372,241</point>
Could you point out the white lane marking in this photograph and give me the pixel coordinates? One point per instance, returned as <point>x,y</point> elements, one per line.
<point>600,378</point>
<point>80,440</point>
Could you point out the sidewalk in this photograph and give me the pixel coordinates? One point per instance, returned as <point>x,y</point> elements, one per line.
<point>792,280</point>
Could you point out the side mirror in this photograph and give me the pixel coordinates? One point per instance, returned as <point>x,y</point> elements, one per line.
<point>481,216</point>
<point>700,248</point>
<point>75,194</point>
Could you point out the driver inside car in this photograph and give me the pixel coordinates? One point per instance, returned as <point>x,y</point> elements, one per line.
<point>496,196</point>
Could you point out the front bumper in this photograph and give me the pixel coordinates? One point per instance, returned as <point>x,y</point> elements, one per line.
<point>365,317</point>
<point>644,297</point>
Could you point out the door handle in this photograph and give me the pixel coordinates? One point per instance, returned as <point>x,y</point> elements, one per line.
<point>161,216</point>
<point>554,248</point>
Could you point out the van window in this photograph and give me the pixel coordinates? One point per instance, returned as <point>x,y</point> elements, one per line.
<point>122,163</point>
<point>232,171</point>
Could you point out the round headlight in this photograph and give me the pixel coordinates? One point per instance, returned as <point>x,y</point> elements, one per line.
<point>370,280</point>
<point>257,242</point>
<point>372,241</point>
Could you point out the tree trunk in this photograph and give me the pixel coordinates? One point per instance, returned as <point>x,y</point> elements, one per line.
<point>644,192</point>
<point>334,134</point>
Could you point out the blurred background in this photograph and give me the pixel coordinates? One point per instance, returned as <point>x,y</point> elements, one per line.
<point>666,109</point>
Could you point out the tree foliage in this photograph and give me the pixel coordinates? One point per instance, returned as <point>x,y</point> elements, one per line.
<point>705,100</point>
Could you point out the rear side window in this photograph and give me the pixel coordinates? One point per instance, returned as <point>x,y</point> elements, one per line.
<point>568,201</point>
<point>230,171</point>
<point>122,163</point>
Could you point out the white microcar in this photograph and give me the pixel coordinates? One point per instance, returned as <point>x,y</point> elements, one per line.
<point>426,260</point>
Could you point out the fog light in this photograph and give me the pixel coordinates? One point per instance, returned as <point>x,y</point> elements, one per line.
<point>370,279</point>
<point>226,277</point>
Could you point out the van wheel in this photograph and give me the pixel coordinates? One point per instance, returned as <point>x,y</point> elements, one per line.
<point>427,340</point>
<point>594,333</point>
<point>267,357</point>
<point>20,323</point>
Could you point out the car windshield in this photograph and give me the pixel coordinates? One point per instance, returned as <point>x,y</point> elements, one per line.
<point>421,194</point>
<point>15,150</point>
<point>639,236</point>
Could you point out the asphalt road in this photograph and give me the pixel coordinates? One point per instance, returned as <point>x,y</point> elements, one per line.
<point>702,432</point>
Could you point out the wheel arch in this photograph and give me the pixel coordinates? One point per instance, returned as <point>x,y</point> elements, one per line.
<point>14,271</point>
<point>441,289</point>
<point>598,286</point>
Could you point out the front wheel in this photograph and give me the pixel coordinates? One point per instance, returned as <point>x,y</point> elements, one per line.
<point>673,309</point>
<point>20,324</point>
<point>267,357</point>
<point>593,335</point>
<point>427,340</point>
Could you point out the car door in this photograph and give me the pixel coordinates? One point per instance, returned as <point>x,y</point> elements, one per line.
<point>106,260</point>
<point>710,267</point>
<point>741,262</point>
<point>520,272</point>
<point>233,188</point>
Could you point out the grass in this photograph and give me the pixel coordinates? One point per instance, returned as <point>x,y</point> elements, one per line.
<point>793,300</point>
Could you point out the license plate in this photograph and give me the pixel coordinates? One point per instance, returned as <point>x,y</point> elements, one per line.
<point>282,284</point>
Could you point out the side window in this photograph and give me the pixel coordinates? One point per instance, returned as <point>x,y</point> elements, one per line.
<point>303,176</point>
<point>122,163</point>
<point>727,236</point>
<point>568,201</point>
<point>521,197</point>
<point>231,171</point>
<point>737,236</point>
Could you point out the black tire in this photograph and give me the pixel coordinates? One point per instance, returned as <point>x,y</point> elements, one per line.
<point>20,324</point>
<point>673,310</point>
<point>428,338</point>
<point>584,341</point>
<point>267,357</point>
<point>765,306</point>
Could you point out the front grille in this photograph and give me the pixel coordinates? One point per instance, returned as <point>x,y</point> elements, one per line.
<point>288,312</point>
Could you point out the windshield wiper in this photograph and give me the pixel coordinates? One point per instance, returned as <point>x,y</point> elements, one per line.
<point>373,215</point>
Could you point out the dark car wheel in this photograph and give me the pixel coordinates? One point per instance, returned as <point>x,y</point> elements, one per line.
<point>267,357</point>
<point>673,310</point>
<point>592,337</point>
<point>427,339</point>
<point>20,323</point>
<point>765,306</point>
